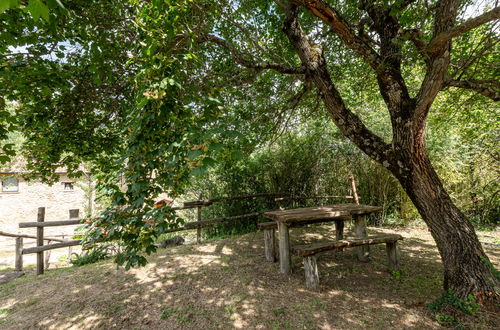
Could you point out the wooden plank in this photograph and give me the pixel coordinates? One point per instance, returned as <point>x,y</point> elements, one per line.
<point>320,212</point>
<point>273,224</point>
<point>19,254</point>
<point>49,223</point>
<point>198,230</point>
<point>310,197</point>
<point>267,225</point>
<point>363,251</point>
<point>39,249</point>
<point>311,249</point>
<point>270,244</point>
<point>353,189</point>
<point>2,233</point>
<point>284,248</point>
<point>207,223</point>
<point>39,241</point>
<point>311,272</point>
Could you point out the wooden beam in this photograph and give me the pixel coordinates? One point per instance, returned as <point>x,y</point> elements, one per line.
<point>363,251</point>
<point>39,240</point>
<point>311,272</point>
<point>354,190</point>
<point>40,249</point>
<point>19,254</point>
<point>311,249</point>
<point>49,223</point>
<point>270,244</point>
<point>207,223</point>
<point>284,247</point>
<point>2,233</point>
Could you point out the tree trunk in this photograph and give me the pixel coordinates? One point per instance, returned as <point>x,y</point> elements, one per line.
<point>465,264</point>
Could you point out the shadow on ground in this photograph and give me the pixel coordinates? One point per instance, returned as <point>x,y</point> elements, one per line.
<point>228,284</point>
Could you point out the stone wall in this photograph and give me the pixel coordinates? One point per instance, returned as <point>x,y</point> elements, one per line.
<point>22,206</point>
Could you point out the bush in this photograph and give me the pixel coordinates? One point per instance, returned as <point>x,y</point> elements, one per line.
<point>90,256</point>
<point>316,160</point>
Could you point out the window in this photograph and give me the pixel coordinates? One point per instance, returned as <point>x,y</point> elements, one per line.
<point>68,186</point>
<point>10,185</point>
<point>74,214</point>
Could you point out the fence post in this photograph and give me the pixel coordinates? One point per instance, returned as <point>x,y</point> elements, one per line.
<point>19,254</point>
<point>39,241</point>
<point>353,188</point>
<point>198,230</point>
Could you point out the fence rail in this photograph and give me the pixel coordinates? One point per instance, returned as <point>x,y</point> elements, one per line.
<point>2,233</point>
<point>49,224</point>
<point>40,224</point>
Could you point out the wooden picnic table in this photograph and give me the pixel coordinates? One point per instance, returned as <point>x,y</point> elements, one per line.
<point>338,213</point>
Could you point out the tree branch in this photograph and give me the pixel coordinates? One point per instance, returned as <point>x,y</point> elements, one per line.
<point>312,58</point>
<point>241,58</point>
<point>440,39</point>
<point>439,61</point>
<point>387,68</point>
<point>488,88</point>
<point>328,15</point>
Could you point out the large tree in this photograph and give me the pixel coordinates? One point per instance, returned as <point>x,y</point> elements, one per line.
<point>378,33</point>
<point>207,70</point>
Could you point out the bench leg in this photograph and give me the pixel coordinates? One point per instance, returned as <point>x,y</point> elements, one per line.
<point>311,272</point>
<point>270,245</point>
<point>360,232</point>
<point>393,256</point>
<point>284,244</point>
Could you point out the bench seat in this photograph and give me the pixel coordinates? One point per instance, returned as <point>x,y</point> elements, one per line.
<point>309,253</point>
<point>270,227</point>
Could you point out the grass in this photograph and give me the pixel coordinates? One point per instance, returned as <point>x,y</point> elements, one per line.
<point>226,283</point>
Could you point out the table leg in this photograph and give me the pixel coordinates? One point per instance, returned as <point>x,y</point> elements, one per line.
<point>270,244</point>
<point>284,245</point>
<point>339,229</point>
<point>360,232</point>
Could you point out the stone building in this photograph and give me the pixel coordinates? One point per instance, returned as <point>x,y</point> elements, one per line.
<point>20,199</point>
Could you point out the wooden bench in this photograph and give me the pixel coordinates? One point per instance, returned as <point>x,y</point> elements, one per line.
<point>309,253</point>
<point>269,229</point>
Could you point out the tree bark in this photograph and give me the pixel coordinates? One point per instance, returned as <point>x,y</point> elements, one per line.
<point>465,264</point>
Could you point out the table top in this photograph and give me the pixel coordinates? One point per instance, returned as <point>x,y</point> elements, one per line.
<point>321,212</point>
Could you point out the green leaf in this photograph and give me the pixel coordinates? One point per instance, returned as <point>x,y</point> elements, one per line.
<point>237,155</point>
<point>198,171</point>
<point>216,147</point>
<point>38,9</point>
<point>193,154</point>
<point>233,134</point>
<point>209,162</point>
<point>7,4</point>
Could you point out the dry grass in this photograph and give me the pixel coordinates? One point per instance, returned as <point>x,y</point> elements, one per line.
<point>227,284</point>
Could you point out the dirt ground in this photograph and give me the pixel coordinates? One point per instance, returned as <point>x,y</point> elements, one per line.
<point>227,283</point>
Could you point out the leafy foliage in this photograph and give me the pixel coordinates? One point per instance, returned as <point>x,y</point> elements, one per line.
<point>90,256</point>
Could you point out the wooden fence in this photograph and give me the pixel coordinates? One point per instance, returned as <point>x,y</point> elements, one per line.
<point>40,224</point>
